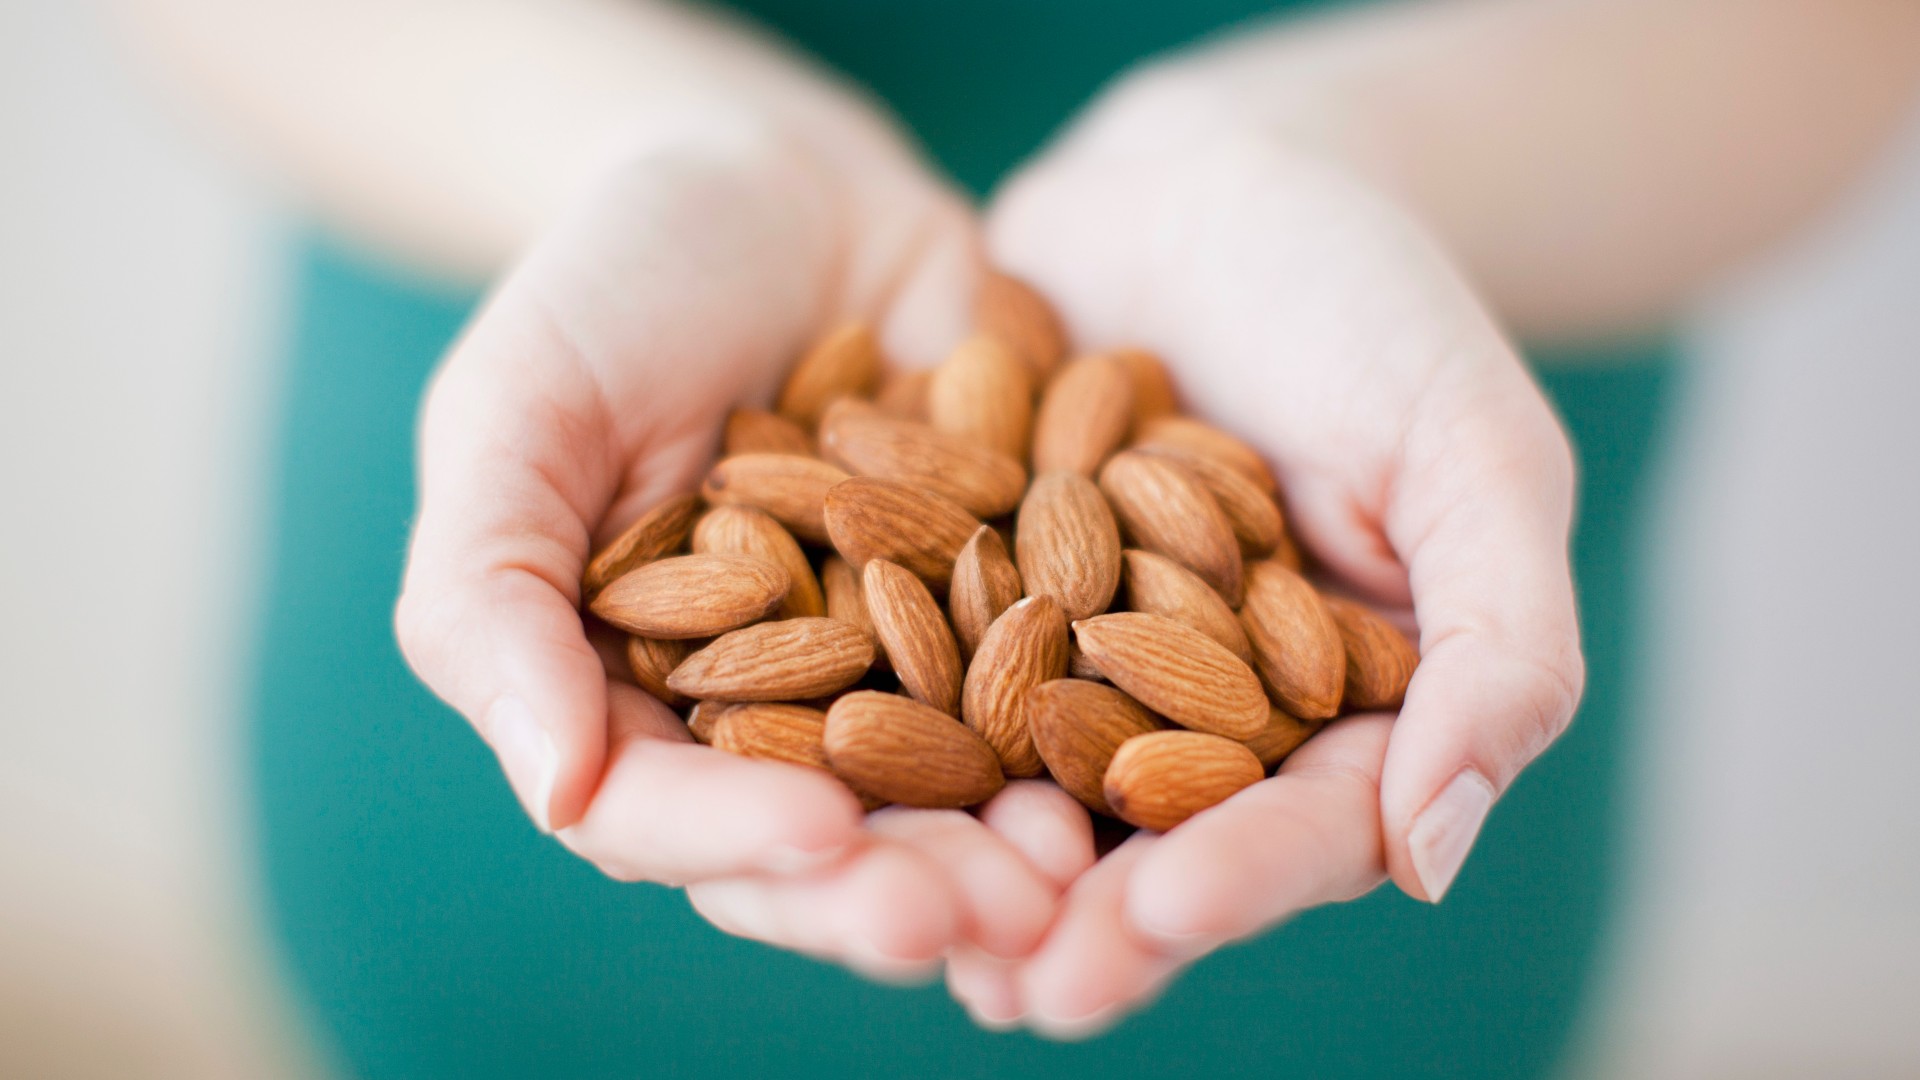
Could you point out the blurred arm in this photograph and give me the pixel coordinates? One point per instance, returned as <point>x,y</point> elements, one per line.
<point>1592,163</point>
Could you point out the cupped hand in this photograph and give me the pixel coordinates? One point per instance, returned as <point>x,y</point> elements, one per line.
<point>1302,309</point>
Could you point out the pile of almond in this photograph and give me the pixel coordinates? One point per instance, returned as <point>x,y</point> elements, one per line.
<point>1008,566</point>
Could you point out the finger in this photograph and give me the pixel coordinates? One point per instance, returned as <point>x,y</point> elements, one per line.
<point>1046,825</point>
<point>886,911</point>
<point>674,812</point>
<point>1091,970</point>
<point>1005,904</point>
<point>929,309</point>
<point>987,986</point>
<point>1483,520</point>
<point>1308,836</point>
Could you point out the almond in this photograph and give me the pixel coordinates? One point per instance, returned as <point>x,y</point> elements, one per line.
<point>742,530</point>
<point>1079,667</point>
<point>790,488</point>
<point>774,732</point>
<point>1255,517</point>
<point>692,596</point>
<point>845,363</point>
<point>757,431</point>
<point>1296,643</point>
<point>905,752</point>
<point>1157,585</point>
<point>984,392</point>
<point>652,660</point>
<point>1183,432</point>
<point>1025,646</point>
<point>660,531</point>
<point>1282,736</point>
<point>702,718</point>
<point>870,519</point>
<point>1153,393</point>
<point>1009,309</point>
<point>1162,778</point>
<point>1167,510</point>
<point>789,660</point>
<point>984,585</point>
<point>1084,416</point>
<point>913,631</point>
<point>1067,544</point>
<point>1380,659</point>
<point>1176,671</point>
<point>869,443</point>
<point>905,394</point>
<point>1077,727</point>
<point>847,600</point>
<point>1287,553</point>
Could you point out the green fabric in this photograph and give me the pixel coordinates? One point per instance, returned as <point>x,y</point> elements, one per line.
<point>431,932</point>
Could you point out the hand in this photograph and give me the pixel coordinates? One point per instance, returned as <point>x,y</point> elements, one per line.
<point>1306,312</point>
<point>593,384</point>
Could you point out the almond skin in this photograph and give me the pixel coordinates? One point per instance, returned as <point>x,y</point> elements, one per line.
<point>1084,416</point>
<point>866,442</point>
<point>660,531</point>
<point>1186,433</point>
<point>1287,553</point>
<point>789,660</point>
<point>1296,643</point>
<point>847,600</point>
<point>1176,671</point>
<point>1009,309</point>
<point>1282,736</point>
<point>692,596</point>
<point>1077,727</point>
<point>1167,510</point>
<point>652,660</point>
<point>1153,393</point>
<point>702,718</point>
<point>904,752</point>
<point>1025,646</point>
<point>1067,544</point>
<point>1162,778</point>
<point>790,488</point>
<point>742,530</point>
<point>757,431</point>
<point>1079,667</point>
<point>868,519</point>
<point>1380,659</point>
<point>1157,585</point>
<point>983,391</point>
<point>1255,517</point>
<point>913,631</point>
<point>985,584</point>
<point>905,394</point>
<point>844,363</point>
<point>773,732</point>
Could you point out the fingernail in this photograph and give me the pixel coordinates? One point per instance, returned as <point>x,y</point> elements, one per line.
<point>1179,945</point>
<point>1444,832</point>
<point>528,755</point>
<point>1075,1028</point>
<point>788,859</point>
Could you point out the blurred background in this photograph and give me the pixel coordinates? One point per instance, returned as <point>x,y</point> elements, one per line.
<point>1769,929</point>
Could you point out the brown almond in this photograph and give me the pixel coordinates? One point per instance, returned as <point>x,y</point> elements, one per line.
<point>652,660</point>
<point>1176,671</point>
<point>905,393</point>
<point>1010,309</point>
<point>914,633</point>
<point>983,391</point>
<point>1084,416</point>
<point>1380,659</point>
<point>1025,646</point>
<point>1077,727</point>
<point>1287,553</point>
<point>788,660</point>
<point>743,530</point>
<point>1067,544</point>
<point>1184,432</point>
<point>1079,667</point>
<point>1162,778</point>
<point>844,363</point>
<point>869,518</point>
<point>1157,585</point>
<point>1282,736</point>
<point>869,443</point>
<point>773,732</point>
<point>1165,509</point>
<point>790,488</point>
<point>1153,393</point>
<point>847,600</point>
<point>985,584</point>
<point>1255,517</point>
<point>702,718</point>
<point>757,431</point>
<point>660,531</point>
<point>692,596</point>
<point>1296,643</point>
<point>905,752</point>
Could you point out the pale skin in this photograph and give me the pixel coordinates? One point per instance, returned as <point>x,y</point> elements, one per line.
<point>1347,218</point>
